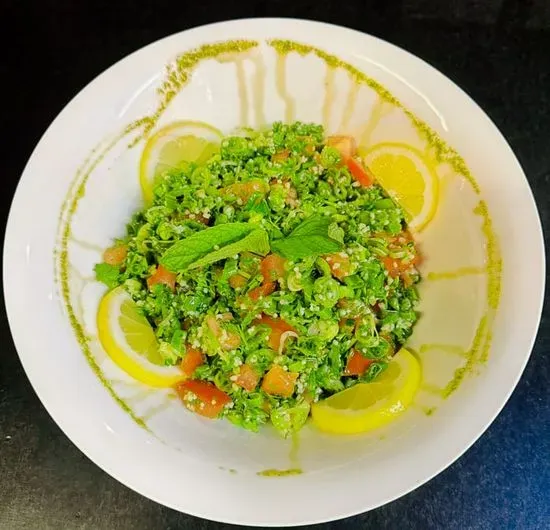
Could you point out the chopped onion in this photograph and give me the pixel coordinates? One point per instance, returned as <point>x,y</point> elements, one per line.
<point>285,336</point>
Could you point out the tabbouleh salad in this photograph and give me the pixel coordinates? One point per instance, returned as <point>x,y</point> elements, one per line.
<point>275,274</point>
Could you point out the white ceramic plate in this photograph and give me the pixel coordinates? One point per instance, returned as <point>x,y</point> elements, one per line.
<point>481,298</point>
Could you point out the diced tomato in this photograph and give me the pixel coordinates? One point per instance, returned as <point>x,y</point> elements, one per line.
<point>279,382</point>
<point>360,173</point>
<point>237,281</point>
<point>247,378</point>
<point>398,267</point>
<point>345,144</point>
<point>398,241</point>
<point>245,190</point>
<point>263,290</point>
<point>340,265</point>
<point>348,149</point>
<point>278,327</point>
<point>281,156</point>
<point>227,339</point>
<point>272,268</point>
<point>115,255</point>
<point>393,266</point>
<point>202,397</point>
<point>357,364</point>
<point>164,276</point>
<point>191,361</point>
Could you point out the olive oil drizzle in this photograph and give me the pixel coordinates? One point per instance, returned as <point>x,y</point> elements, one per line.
<point>178,75</point>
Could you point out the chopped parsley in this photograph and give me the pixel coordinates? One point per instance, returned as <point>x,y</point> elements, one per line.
<point>270,260</point>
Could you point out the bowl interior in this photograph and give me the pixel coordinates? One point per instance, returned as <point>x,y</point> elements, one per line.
<point>470,246</point>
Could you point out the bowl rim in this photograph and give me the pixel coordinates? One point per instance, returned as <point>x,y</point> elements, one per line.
<point>17,322</point>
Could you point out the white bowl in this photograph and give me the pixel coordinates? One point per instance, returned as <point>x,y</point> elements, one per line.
<point>478,323</point>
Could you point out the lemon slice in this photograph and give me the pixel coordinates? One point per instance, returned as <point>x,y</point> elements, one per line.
<point>129,340</point>
<point>409,179</point>
<point>174,145</point>
<point>367,406</point>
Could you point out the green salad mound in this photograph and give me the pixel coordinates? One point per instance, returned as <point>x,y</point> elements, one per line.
<point>274,274</point>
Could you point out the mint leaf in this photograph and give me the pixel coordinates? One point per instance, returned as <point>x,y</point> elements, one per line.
<point>256,242</point>
<point>336,233</point>
<point>214,244</point>
<point>314,225</point>
<point>185,252</point>
<point>310,238</point>
<point>107,274</point>
<point>257,204</point>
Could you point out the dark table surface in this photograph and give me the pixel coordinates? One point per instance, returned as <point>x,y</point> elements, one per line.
<point>497,50</point>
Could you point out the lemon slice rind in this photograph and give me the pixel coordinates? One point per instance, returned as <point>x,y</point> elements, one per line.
<point>117,306</point>
<point>205,135</point>
<point>418,220</point>
<point>395,389</point>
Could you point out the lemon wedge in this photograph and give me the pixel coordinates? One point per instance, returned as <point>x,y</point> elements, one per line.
<point>367,406</point>
<point>409,179</point>
<point>129,340</point>
<point>174,145</point>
